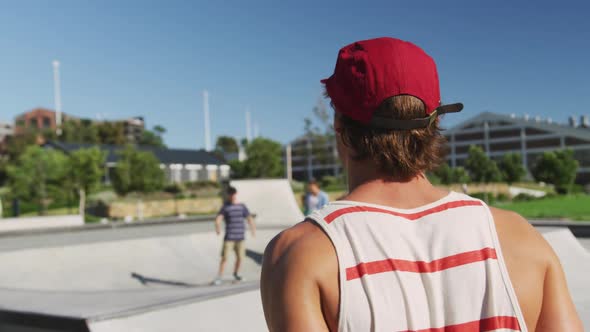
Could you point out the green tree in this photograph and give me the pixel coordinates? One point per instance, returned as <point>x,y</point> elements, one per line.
<point>3,171</point>
<point>159,130</point>
<point>153,137</point>
<point>16,145</point>
<point>444,174</point>
<point>460,175</point>
<point>149,138</point>
<point>238,169</point>
<point>226,144</point>
<point>37,174</point>
<point>324,117</point>
<point>480,167</point>
<point>511,168</point>
<point>79,131</point>
<point>86,171</point>
<point>137,171</point>
<point>111,133</point>
<point>448,175</point>
<point>558,168</point>
<point>264,159</point>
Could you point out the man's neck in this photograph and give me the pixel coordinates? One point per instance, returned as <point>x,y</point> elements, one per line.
<point>367,185</point>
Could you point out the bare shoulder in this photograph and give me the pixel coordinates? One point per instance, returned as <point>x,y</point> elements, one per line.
<point>295,266</point>
<point>304,242</point>
<point>518,237</point>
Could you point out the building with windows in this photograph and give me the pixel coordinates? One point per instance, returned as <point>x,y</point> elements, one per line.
<point>41,119</point>
<point>133,128</point>
<point>37,119</point>
<point>313,157</point>
<point>6,130</point>
<point>179,165</point>
<point>498,134</point>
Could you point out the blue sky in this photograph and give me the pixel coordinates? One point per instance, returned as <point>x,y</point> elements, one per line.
<point>154,58</point>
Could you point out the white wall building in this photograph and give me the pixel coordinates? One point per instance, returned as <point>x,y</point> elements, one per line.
<point>179,165</point>
<point>6,130</point>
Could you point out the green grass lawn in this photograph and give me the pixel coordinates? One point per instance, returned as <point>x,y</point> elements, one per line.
<point>574,207</point>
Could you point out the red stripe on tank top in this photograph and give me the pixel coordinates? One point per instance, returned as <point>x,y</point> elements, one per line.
<point>410,216</point>
<point>390,264</point>
<point>485,324</point>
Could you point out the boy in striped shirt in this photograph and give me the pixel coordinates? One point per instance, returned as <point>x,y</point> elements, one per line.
<point>235,215</point>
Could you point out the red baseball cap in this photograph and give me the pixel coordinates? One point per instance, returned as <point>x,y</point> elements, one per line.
<point>368,72</point>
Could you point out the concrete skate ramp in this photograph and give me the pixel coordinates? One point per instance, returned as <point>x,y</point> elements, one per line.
<point>182,260</point>
<point>90,287</point>
<point>271,200</point>
<point>240,312</point>
<point>576,264</point>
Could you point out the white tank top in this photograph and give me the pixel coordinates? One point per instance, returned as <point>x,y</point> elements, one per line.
<point>435,268</point>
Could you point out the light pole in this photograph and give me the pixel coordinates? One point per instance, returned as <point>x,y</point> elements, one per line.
<point>57,97</point>
<point>206,115</point>
<point>248,125</point>
<point>256,130</point>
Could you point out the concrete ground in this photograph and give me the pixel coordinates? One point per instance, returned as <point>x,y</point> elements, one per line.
<point>585,243</point>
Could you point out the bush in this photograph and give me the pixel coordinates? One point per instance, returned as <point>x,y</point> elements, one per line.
<point>97,208</point>
<point>502,197</point>
<point>551,195</point>
<point>577,189</point>
<point>174,188</point>
<point>332,183</point>
<point>489,198</point>
<point>196,185</point>
<point>202,189</point>
<point>435,180</point>
<point>522,197</point>
<point>297,186</point>
<point>90,219</point>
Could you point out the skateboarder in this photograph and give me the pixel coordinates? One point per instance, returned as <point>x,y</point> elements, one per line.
<point>234,214</point>
<point>398,254</point>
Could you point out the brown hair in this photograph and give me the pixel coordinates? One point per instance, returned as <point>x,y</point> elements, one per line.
<point>400,154</point>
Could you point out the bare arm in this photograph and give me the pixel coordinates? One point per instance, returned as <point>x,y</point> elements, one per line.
<point>252,225</point>
<point>289,286</point>
<point>218,220</point>
<point>558,312</point>
<point>536,275</point>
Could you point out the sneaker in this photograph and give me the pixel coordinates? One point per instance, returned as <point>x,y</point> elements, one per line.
<point>217,281</point>
<point>238,277</point>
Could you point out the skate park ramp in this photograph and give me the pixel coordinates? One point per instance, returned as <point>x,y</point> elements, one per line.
<point>108,283</point>
<point>272,201</point>
<point>145,278</point>
<point>575,260</point>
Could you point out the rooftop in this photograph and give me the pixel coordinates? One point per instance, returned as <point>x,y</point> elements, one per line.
<point>499,120</point>
<point>165,156</point>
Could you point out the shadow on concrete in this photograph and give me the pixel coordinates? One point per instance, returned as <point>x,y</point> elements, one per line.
<point>148,280</point>
<point>255,256</point>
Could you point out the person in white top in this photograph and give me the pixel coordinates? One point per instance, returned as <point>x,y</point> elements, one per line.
<point>397,253</point>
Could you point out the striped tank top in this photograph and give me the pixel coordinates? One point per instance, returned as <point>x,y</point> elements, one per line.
<point>435,268</point>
